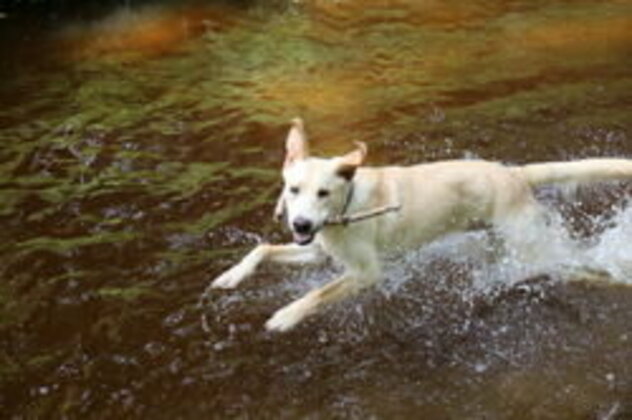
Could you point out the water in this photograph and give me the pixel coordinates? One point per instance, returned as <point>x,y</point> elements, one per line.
<point>140,155</point>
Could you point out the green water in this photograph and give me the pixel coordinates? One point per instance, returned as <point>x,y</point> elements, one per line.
<point>140,155</point>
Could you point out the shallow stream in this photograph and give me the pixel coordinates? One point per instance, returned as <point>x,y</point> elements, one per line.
<point>139,157</point>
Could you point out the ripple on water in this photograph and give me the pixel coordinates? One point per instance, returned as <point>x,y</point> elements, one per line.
<point>140,158</point>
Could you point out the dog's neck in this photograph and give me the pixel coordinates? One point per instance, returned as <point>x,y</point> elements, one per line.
<point>348,198</point>
<point>359,194</point>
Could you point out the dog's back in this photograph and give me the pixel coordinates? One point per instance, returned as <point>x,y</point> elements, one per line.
<point>438,198</point>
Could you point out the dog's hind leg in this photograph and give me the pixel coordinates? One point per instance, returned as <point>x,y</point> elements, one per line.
<point>533,235</point>
<point>289,253</point>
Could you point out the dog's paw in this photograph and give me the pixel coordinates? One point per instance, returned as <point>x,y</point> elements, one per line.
<point>288,317</point>
<point>231,278</point>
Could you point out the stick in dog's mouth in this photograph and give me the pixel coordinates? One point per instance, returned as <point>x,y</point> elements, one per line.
<point>342,220</point>
<point>363,215</point>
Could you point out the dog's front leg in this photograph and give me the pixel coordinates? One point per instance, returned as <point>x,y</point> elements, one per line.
<point>288,253</point>
<point>348,284</point>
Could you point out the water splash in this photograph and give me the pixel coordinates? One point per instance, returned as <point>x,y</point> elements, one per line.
<point>479,264</point>
<point>612,252</point>
<point>551,251</point>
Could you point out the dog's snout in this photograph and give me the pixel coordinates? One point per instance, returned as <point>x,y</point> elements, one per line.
<point>302,225</point>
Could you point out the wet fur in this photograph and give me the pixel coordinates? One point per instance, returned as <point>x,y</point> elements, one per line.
<point>436,199</point>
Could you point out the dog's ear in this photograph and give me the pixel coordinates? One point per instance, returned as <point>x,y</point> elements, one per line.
<point>296,144</point>
<point>350,162</point>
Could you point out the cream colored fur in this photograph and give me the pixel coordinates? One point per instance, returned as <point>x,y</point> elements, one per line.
<point>435,198</point>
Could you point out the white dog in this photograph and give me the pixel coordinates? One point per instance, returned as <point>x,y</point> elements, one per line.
<point>434,199</point>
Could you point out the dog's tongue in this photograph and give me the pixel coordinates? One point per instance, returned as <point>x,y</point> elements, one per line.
<point>302,238</point>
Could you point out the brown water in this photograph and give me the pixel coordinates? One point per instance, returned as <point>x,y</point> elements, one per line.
<point>139,159</point>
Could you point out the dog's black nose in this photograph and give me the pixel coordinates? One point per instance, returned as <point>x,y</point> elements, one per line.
<point>302,225</point>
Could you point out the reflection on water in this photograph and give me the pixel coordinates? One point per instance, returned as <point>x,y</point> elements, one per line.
<point>140,156</point>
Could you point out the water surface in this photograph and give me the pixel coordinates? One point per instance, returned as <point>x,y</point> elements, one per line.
<point>139,159</point>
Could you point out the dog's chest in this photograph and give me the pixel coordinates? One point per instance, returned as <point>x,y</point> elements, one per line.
<point>347,244</point>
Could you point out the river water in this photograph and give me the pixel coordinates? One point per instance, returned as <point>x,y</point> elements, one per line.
<point>140,152</point>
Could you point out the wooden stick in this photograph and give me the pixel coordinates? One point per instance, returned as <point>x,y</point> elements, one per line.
<point>363,215</point>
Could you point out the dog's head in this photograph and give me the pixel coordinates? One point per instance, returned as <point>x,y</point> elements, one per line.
<point>314,189</point>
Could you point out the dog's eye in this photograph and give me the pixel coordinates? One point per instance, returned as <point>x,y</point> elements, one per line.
<point>294,190</point>
<point>323,193</point>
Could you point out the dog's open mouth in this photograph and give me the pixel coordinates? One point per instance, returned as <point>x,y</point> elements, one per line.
<point>303,238</point>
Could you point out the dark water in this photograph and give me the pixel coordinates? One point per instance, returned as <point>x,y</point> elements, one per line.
<point>139,158</point>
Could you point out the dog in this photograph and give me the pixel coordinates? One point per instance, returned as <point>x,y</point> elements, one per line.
<point>434,199</point>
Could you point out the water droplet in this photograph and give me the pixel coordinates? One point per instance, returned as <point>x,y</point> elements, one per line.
<point>480,367</point>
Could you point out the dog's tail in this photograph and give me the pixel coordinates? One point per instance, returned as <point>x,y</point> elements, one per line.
<point>589,170</point>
